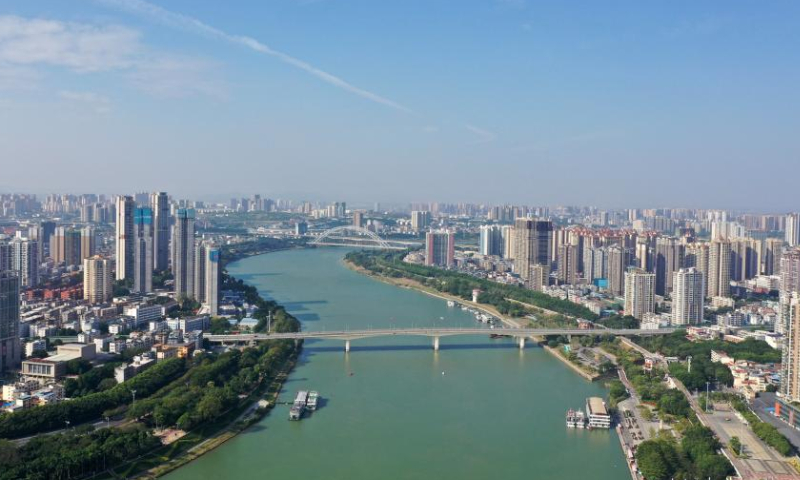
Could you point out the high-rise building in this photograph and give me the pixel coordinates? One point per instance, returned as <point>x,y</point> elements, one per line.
<point>212,281</point>
<point>790,362</point>
<point>719,269</point>
<point>688,293</point>
<point>619,259</point>
<point>25,261</point>
<point>358,218</point>
<point>645,254</point>
<point>143,250</point>
<point>440,248</point>
<point>88,242</point>
<point>509,242</point>
<point>639,292</point>
<point>46,231</point>
<point>532,245</point>
<point>595,263</point>
<point>697,256</point>
<point>789,287</point>
<point>9,321</point>
<point>97,281</point>
<point>668,259</point>
<point>491,240</point>
<point>420,220</point>
<point>200,271</point>
<point>124,239</point>
<point>771,259</point>
<point>159,201</point>
<point>65,246</point>
<point>745,258</point>
<point>183,252</point>
<point>5,255</point>
<point>567,261</point>
<point>793,229</point>
<point>790,271</point>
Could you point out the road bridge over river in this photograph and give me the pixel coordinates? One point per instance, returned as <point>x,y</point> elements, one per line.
<point>436,333</point>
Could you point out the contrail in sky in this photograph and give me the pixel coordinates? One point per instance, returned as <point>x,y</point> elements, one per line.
<point>185,22</point>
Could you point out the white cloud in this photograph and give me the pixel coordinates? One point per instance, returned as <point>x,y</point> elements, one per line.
<point>26,44</point>
<point>185,22</point>
<point>484,136</point>
<point>80,47</point>
<point>97,103</point>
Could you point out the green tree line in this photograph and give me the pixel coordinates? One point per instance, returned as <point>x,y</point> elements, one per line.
<point>391,264</point>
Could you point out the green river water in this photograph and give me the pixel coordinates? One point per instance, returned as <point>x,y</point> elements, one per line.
<point>395,409</point>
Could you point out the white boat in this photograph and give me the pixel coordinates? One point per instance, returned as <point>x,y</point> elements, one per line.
<point>312,402</point>
<point>299,405</point>
<point>576,419</point>
<point>451,303</point>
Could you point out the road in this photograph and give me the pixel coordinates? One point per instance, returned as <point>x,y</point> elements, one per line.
<point>97,425</point>
<point>425,332</point>
<point>763,461</point>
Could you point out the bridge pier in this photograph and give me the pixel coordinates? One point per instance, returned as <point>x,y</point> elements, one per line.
<point>521,343</point>
<point>435,344</point>
<point>347,346</point>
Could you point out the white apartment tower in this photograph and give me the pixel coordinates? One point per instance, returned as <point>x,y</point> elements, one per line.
<point>688,292</point>
<point>640,291</point>
<point>124,237</point>
<point>97,282</point>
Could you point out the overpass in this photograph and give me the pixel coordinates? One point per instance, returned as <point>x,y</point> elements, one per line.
<point>436,333</point>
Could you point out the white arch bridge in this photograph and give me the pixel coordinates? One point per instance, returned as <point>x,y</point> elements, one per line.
<point>353,236</point>
<point>520,334</point>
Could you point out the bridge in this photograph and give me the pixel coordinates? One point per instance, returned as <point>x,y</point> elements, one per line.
<point>436,333</point>
<point>352,236</point>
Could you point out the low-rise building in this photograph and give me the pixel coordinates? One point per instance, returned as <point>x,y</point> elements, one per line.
<point>127,371</point>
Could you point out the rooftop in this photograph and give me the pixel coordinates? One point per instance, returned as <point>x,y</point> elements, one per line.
<point>596,406</point>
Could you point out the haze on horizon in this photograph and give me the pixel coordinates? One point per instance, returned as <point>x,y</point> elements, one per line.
<point>686,104</point>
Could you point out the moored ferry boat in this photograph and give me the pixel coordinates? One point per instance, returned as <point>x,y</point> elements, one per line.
<point>313,399</point>
<point>299,405</point>
<point>576,419</point>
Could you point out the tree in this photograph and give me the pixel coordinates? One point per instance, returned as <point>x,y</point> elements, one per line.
<point>650,456</point>
<point>715,467</point>
<point>735,445</point>
<point>8,452</point>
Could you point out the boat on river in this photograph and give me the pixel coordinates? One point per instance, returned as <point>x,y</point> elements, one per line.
<point>313,400</point>
<point>299,405</point>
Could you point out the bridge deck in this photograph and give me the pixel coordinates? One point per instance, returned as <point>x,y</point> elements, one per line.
<point>430,332</point>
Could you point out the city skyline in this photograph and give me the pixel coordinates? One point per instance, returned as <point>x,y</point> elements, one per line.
<point>597,105</point>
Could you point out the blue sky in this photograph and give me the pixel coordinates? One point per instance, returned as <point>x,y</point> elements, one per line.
<point>623,103</point>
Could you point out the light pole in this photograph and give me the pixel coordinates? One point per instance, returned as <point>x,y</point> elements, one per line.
<point>707,399</point>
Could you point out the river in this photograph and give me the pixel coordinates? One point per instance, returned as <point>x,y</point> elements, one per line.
<point>395,409</point>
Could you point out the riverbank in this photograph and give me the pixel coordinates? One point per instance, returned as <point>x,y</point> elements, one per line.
<point>248,413</point>
<point>588,376</point>
<point>415,285</point>
<point>513,323</point>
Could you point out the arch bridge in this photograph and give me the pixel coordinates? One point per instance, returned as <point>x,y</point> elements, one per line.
<point>353,236</point>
